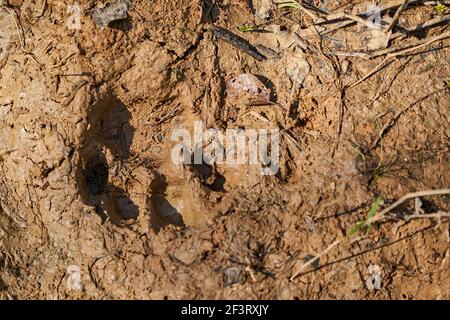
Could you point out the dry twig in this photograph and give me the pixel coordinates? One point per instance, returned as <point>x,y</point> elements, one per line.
<point>397,15</point>
<point>382,215</point>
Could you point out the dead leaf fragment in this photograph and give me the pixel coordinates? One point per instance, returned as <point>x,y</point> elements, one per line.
<point>118,11</point>
<point>262,9</point>
<point>248,89</point>
<point>378,39</point>
<point>297,67</point>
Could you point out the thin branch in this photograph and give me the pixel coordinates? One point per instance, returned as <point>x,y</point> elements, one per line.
<point>400,53</point>
<point>397,15</point>
<point>382,214</point>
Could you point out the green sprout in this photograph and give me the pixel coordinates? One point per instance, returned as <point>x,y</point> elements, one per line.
<point>246,29</point>
<point>289,4</point>
<point>447,82</point>
<point>365,226</point>
<point>441,8</point>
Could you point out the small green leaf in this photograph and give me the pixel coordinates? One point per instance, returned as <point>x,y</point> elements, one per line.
<point>246,29</point>
<point>441,8</point>
<point>356,229</point>
<point>375,206</point>
<point>372,212</point>
<point>289,4</point>
<point>366,225</point>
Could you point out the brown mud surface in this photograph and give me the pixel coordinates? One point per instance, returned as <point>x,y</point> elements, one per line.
<point>86,177</point>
